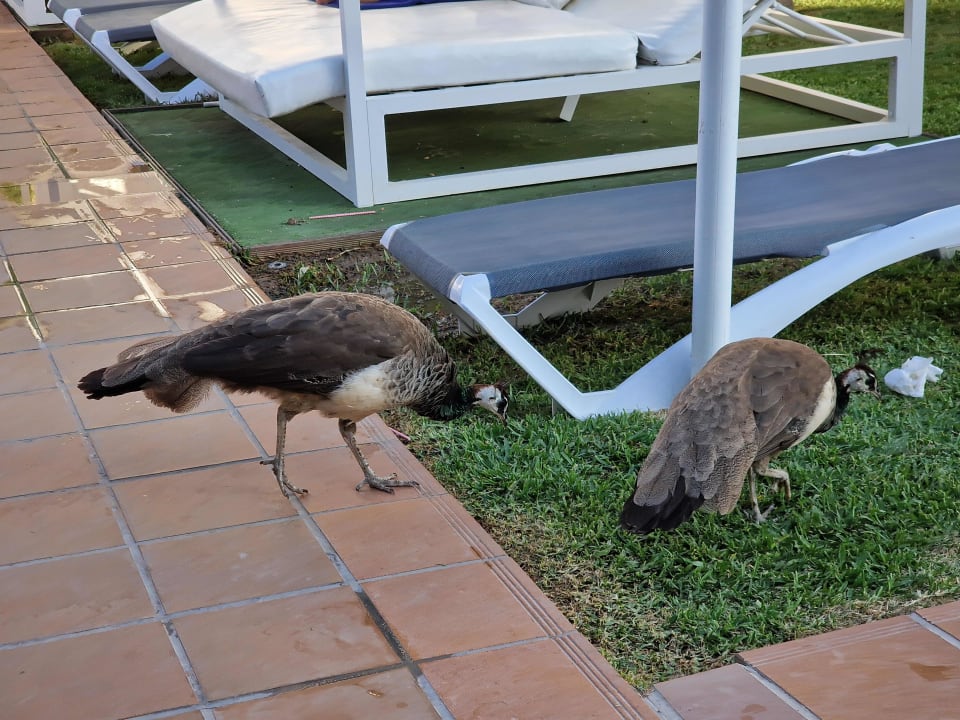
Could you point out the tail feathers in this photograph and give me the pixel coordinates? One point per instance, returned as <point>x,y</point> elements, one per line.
<point>675,510</point>
<point>92,385</point>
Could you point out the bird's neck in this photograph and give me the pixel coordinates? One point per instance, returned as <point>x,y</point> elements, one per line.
<point>840,406</point>
<point>450,404</point>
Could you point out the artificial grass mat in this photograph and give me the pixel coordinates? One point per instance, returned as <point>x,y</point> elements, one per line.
<point>261,198</point>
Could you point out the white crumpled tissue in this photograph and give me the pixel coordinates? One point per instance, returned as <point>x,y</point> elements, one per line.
<point>909,378</point>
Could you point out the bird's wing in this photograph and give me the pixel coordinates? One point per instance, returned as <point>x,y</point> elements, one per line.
<point>706,444</point>
<point>785,385</point>
<point>306,344</point>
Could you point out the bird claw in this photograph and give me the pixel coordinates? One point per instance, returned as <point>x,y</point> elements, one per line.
<point>286,487</point>
<point>760,517</point>
<point>386,484</point>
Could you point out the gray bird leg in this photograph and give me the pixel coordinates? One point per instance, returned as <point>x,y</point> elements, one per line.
<point>348,429</point>
<point>758,516</point>
<point>283,416</point>
<point>781,478</point>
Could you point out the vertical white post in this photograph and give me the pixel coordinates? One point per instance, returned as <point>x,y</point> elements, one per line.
<point>356,129</point>
<point>907,80</point>
<point>716,178</point>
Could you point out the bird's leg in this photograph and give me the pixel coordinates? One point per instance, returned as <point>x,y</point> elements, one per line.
<point>283,416</point>
<point>348,429</point>
<point>781,478</point>
<point>758,516</point>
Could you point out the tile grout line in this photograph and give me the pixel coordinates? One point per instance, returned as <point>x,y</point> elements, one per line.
<point>935,629</point>
<point>781,693</point>
<point>381,623</point>
<point>134,548</point>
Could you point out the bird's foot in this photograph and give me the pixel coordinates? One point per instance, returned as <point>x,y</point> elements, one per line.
<point>778,485</point>
<point>760,517</point>
<point>286,487</point>
<point>386,484</point>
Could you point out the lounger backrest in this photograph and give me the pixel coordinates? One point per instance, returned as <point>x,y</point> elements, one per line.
<point>670,32</point>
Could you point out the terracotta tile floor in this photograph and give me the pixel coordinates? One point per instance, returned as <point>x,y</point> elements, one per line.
<point>150,569</point>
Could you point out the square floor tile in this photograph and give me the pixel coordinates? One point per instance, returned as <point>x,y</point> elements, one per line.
<point>176,250</point>
<point>28,176</point>
<point>946,617</point>
<point>280,642</point>
<point>23,371</point>
<point>10,304</point>
<point>533,681</point>
<point>198,277</point>
<point>70,594</point>
<point>133,205</point>
<point>68,262</point>
<point>451,610</point>
<point>237,564</point>
<point>420,537</point>
<point>88,151</point>
<point>18,140</point>
<point>62,327</point>
<point>69,121</point>
<point>174,444</point>
<point>35,414</point>
<point>16,334</point>
<point>891,668</point>
<point>52,237</point>
<point>195,311</point>
<point>391,695</point>
<point>727,692</point>
<point>201,499</point>
<point>143,227</point>
<point>332,475</point>
<point>22,156</point>
<point>107,676</point>
<point>50,463</point>
<point>104,166</point>
<point>41,526</point>
<point>22,216</point>
<point>87,291</point>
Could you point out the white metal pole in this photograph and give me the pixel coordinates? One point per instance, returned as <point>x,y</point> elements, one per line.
<point>716,178</point>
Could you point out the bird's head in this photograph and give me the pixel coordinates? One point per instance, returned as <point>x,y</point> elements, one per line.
<point>491,397</point>
<point>860,378</point>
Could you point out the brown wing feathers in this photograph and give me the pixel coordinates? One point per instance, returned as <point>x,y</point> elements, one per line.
<point>751,401</point>
<point>304,344</point>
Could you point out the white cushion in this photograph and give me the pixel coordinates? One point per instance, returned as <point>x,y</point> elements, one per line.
<point>670,31</point>
<point>274,57</point>
<point>557,4</point>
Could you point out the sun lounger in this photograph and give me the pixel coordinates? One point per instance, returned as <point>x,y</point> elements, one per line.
<point>859,211</point>
<point>268,59</point>
<point>107,26</point>
<point>33,12</point>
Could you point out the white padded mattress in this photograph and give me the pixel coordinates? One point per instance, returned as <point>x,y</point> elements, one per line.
<point>276,56</point>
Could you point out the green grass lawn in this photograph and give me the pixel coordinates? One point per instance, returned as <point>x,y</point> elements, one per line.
<point>874,525</point>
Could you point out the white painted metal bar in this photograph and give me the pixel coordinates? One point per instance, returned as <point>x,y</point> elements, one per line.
<point>716,179</point>
<point>365,180</point>
<point>356,130</point>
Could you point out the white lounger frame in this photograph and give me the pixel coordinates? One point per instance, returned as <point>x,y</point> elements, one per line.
<point>33,12</point>
<point>140,75</point>
<point>763,314</point>
<point>365,178</point>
